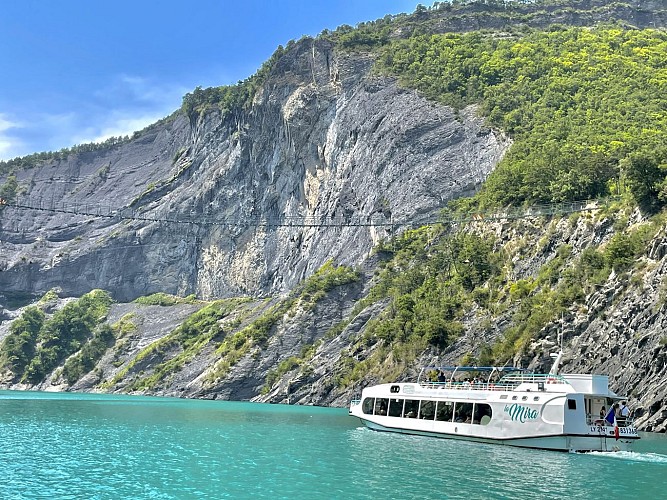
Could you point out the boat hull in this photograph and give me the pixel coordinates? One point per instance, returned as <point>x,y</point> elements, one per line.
<point>561,442</point>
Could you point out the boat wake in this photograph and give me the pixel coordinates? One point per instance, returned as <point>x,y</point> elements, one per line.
<point>655,458</point>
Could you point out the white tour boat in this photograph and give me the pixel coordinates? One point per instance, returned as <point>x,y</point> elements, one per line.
<point>547,411</point>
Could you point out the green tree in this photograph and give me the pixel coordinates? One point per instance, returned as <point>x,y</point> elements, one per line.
<point>576,101</point>
<point>65,333</point>
<point>84,361</point>
<point>645,174</point>
<point>18,348</point>
<point>8,190</point>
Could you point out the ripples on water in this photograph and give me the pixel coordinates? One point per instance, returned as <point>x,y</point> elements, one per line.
<point>98,446</point>
<point>631,455</point>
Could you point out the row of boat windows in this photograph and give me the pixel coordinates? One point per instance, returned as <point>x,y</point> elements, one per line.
<point>523,398</point>
<point>443,411</point>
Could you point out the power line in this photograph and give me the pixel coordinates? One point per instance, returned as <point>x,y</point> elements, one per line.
<point>308,221</point>
<point>105,211</point>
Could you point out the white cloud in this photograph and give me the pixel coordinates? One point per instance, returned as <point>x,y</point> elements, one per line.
<point>10,145</point>
<point>137,90</point>
<point>120,124</point>
<point>6,147</point>
<point>5,124</point>
<point>130,103</point>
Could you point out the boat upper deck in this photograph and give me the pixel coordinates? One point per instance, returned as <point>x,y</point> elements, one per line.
<point>518,380</point>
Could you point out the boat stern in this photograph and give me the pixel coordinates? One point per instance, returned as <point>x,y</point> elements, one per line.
<point>355,407</point>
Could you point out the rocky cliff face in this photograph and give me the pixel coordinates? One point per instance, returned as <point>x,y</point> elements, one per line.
<point>324,143</point>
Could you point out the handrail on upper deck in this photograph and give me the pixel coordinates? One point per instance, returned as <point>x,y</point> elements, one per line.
<point>455,369</point>
<point>479,386</point>
<point>506,383</point>
<point>531,378</point>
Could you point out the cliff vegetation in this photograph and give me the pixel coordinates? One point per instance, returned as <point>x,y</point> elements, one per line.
<point>584,106</point>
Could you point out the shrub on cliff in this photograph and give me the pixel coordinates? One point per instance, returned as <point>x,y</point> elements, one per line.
<point>18,347</point>
<point>65,332</point>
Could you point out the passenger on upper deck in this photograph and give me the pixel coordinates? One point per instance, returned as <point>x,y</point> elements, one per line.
<point>623,413</point>
<point>441,376</point>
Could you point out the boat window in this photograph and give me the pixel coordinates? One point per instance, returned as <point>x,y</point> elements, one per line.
<point>368,405</point>
<point>525,398</point>
<point>503,396</point>
<point>427,410</point>
<point>395,389</point>
<point>514,398</point>
<point>411,408</point>
<point>444,411</point>
<point>395,407</point>
<point>536,398</point>
<point>571,404</point>
<point>381,405</point>
<point>463,413</point>
<point>481,414</point>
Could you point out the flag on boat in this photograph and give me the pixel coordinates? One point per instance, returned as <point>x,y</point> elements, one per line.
<point>611,416</point>
<point>616,432</point>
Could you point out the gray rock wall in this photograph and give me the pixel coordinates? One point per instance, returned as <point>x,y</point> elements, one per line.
<point>324,140</point>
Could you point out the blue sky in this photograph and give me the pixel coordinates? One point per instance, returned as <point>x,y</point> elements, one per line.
<point>77,71</point>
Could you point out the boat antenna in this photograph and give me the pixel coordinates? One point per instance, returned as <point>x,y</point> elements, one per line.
<point>559,355</point>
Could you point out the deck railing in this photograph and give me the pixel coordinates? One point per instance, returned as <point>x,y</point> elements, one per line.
<point>532,378</point>
<point>621,422</point>
<point>507,383</point>
<point>478,386</point>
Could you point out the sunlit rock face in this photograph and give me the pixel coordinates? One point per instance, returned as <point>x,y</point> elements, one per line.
<point>348,157</point>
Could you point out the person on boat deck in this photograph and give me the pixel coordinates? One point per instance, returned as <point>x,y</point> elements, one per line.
<point>624,412</point>
<point>603,412</point>
<point>441,376</point>
<point>617,410</point>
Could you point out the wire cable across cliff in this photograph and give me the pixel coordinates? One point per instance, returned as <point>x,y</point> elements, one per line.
<point>306,221</point>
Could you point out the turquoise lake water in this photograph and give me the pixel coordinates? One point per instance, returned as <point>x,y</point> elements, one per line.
<point>88,446</point>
